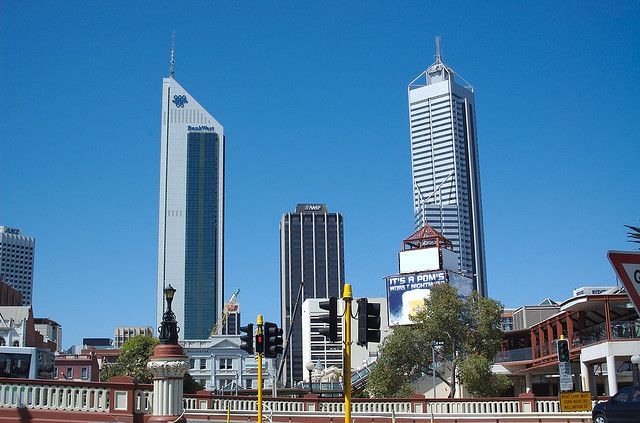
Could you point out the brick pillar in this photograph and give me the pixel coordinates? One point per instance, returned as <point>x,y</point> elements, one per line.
<point>168,366</point>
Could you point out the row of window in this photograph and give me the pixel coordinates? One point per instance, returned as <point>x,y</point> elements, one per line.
<point>67,373</point>
<point>223,363</point>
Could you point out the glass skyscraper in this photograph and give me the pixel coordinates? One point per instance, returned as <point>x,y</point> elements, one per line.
<point>312,251</point>
<point>191,212</point>
<point>17,252</point>
<point>444,163</point>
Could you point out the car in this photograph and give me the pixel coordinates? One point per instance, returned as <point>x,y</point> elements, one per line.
<point>623,407</point>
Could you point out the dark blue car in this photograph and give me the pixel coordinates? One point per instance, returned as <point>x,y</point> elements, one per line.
<point>624,407</point>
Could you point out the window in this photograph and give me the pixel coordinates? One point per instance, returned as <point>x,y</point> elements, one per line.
<point>3,342</point>
<point>69,373</point>
<point>192,363</point>
<point>225,364</point>
<point>249,383</point>
<point>84,373</point>
<point>203,363</point>
<point>16,343</point>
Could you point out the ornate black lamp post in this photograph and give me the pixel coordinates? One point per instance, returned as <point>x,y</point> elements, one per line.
<point>169,327</point>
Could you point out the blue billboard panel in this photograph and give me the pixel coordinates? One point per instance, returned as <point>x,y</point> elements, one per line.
<point>406,292</point>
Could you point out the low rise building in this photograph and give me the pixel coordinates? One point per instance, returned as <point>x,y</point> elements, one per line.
<point>77,367</point>
<point>219,365</point>
<point>603,330</point>
<point>9,296</point>
<point>123,333</point>
<point>50,330</point>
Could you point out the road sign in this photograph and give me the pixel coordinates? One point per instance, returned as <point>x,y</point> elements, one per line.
<point>627,266</point>
<point>575,401</point>
<point>566,376</point>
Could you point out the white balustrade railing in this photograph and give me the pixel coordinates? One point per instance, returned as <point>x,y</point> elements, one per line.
<point>473,407</point>
<point>55,397</point>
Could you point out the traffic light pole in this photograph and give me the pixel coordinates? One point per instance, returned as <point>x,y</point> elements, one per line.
<point>346,368</point>
<point>259,324</point>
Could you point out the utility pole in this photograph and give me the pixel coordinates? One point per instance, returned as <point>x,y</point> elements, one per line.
<point>259,348</point>
<point>347,296</point>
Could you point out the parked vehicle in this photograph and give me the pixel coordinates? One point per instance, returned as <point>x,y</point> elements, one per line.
<point>624,407</point>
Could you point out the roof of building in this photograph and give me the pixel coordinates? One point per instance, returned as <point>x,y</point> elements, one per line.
<point>424,237</point>
<point>45,321</point>
<point>15,313</point>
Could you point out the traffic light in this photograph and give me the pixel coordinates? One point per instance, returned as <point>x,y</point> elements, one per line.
<point>259,343</point>
<point>563,350</point>
<point>246,341</point>
<point>368,322</point>
<point>272,340</point>
<point>331,318</point>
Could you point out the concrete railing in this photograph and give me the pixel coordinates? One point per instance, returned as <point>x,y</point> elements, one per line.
<point>54,397</point>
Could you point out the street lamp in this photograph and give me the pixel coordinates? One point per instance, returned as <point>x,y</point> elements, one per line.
<point>169,326</point>
<point>635,361</point>
<point>310,366</point>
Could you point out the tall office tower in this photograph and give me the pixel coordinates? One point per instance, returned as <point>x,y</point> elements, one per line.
<point>16,261</point>
<point>191,212</point>
<point>311,251</point>
<point>444,163</point>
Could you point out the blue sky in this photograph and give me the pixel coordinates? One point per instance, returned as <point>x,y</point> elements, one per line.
<point>312,96</point>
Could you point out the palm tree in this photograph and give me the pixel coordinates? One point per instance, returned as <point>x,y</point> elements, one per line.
<point>634,234</point>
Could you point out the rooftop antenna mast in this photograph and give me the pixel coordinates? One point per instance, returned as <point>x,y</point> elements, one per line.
<point>438,51</point>
<point>172,69</point>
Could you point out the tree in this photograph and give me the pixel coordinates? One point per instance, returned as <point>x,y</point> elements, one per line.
<point>133,360</point>
<point>634,234</point>
<point>476,374</point>
<point>190,385</point>
<point>462,328</point>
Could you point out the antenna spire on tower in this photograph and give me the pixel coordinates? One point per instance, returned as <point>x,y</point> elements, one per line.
<point>438,51</point>
<point>172,69</point>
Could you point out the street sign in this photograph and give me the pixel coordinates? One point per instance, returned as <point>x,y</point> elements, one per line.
<point>575,401</point>
<point>566,376</point>
<point>627,266</point>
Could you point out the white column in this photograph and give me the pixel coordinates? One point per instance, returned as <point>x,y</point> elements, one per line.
<point>167,385</point>
<point>528,384</point>
<point>611,375</point>
<point>585,375</point>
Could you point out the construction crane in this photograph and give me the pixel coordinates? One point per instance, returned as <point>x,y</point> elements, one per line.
<point>228,307</point>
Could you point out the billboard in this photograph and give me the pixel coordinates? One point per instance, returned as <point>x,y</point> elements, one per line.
<point>406,292</point>
<point>421,260</point>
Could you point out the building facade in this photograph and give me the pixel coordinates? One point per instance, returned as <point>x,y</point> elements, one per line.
<point>17,252</point>
<point>50,330</point>
<point>8,295</point>
<point>218,364</point>
<point>603,331</point>
<point>122,334</point>
<point>444,164</point>
<point>191,212</point>
<point>312,252</point>
<point>325,354</point>
<point>77,367</point>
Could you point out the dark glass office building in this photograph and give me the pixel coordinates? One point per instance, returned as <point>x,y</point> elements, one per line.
<point>311,251</point>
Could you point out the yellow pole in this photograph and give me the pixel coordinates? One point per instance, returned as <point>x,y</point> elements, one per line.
<point>346,368</point>
<point>228,413</point>
<point>259,324</point>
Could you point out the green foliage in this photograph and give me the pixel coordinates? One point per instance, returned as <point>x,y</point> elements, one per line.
<point>476,375</point>
<point>634,234</point>
<point>133,360</point>
<point>461,327</point>
<point>190,385</point>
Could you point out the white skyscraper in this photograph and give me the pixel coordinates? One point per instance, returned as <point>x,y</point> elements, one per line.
<point>16,261</point>
<point>191,212</point>
<point>444,163</point>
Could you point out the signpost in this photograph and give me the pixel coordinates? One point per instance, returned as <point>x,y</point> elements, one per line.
<point>627,266</point>
<point>566,377</point>
<point>575,401</point>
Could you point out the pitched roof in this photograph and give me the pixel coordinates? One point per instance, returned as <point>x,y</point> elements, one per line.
<point>426,236</point>
<point>15,313</point>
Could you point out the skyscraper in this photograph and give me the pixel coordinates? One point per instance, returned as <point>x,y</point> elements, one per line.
<point>311,251</point>
<point>16,261</point>
<point>444,163</point>
<point>191,211</point>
